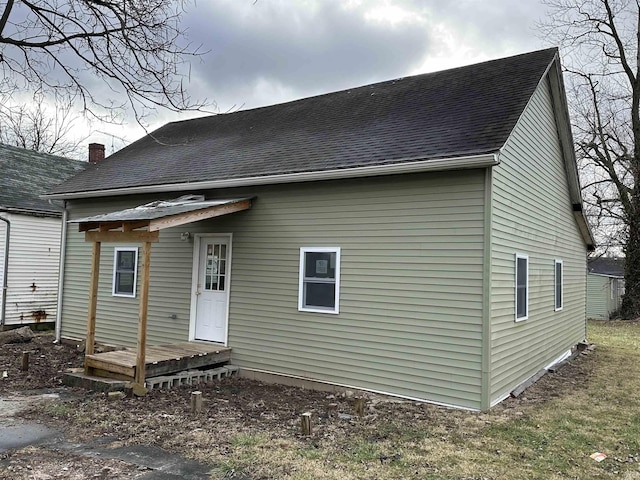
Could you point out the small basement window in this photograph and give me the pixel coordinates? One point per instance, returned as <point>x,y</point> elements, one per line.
<point>522,287</point>
<point>319,286</point>
<point>558,284</point>
<point>125,267</point>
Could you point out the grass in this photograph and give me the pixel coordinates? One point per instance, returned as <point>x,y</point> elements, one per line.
<point>592,405</point>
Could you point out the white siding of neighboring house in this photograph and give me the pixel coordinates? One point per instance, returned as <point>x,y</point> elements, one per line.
<point>32,283</point>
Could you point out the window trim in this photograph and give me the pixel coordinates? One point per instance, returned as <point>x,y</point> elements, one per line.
<point>116,250</point>
<point>612,288</point>
<point>557,262</point>
<point>301,280</point>
<point>526,316</point>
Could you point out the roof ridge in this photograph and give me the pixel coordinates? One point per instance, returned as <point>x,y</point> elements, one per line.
<point>36,152</point>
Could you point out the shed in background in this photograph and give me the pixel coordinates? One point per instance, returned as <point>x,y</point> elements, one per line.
<point>605,287</point>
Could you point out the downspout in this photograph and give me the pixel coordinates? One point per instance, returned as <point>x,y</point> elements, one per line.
<point>5,271</point>
<point>63,252</point>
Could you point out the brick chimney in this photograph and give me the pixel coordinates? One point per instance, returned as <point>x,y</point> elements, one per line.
<point>96,152</point>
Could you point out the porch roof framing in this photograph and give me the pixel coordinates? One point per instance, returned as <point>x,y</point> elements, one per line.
<point>143,224</point>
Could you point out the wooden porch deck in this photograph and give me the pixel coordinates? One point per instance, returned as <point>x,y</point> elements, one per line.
<point>159,360</point>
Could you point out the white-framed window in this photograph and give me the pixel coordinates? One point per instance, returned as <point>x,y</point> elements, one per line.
<point>558,284</point>
<point>125,269</point>
<point>319,288</point>
<point>522,287</point>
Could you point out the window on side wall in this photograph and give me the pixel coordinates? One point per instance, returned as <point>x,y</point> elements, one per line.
<point>559,285</point>
<point>522,287</point>
<point>125,267</point>
<point>319,288</point>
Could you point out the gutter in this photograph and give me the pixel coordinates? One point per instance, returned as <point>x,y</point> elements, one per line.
<point>63,252</point>
<point>5,271</point>
<point>606,275</point>
<point>408,165</point>
<point>30,212</point>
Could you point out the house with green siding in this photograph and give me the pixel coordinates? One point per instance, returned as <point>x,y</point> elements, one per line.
<point>421,237</point>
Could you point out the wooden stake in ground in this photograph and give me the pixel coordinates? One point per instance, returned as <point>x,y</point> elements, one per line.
<point>332,410</point>
<point>25,361</point>
<point>196,402</point>
<point>359,406</point>
<point>305,423</point>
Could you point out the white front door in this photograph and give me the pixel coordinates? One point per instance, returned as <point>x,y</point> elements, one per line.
<point>212,288</point>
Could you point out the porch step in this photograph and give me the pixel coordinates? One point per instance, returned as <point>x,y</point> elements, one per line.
<point>78,379</point>
<point>190,377</point>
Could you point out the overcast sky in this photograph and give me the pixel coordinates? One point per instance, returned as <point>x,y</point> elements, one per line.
<point>271,51</point>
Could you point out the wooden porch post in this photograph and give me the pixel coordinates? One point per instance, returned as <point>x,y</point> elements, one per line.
<point>93,300</point>
<point>142,317</point>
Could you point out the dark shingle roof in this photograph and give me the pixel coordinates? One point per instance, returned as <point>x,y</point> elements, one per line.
<point>611,266</point>
<point>25,174</point>
<point>463,111</point>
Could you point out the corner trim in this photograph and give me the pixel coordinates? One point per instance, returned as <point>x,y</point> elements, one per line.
<point>485,389</point>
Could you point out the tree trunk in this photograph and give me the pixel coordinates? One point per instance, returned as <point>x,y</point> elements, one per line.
<point>630,308</point>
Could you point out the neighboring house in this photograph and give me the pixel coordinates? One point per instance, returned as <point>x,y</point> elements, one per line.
<point>422,237</point>
<point>605,287</point>
<point>30,230</point>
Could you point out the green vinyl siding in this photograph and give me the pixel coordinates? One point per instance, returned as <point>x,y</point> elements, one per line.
<point>117,317</point>
<point>532,173</point>
<point>410,320</point>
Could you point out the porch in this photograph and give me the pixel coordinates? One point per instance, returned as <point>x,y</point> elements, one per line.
<point>142,225</point>
<point>159,360</point>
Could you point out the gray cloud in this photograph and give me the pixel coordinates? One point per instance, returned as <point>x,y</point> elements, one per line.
<point>269,51</point>
<point>496,25</point>
<point>296,51</point>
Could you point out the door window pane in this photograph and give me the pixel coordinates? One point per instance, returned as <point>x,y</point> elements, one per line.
<point>215,266</point>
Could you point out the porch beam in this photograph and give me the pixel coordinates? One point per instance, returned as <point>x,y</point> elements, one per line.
<point>142,317</point>
<point>198,215</point>
<point>93,300</point>
<point>126,226</point>
<point>112,236</point>
<point>129,226</point>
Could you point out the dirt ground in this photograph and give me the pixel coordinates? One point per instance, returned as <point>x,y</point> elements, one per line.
<point>237,413</point>
<point>47,363</point>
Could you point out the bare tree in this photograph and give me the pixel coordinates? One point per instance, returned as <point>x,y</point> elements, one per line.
<point>134,48</point>
<point>44,128</point>
<point>601,42</point>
